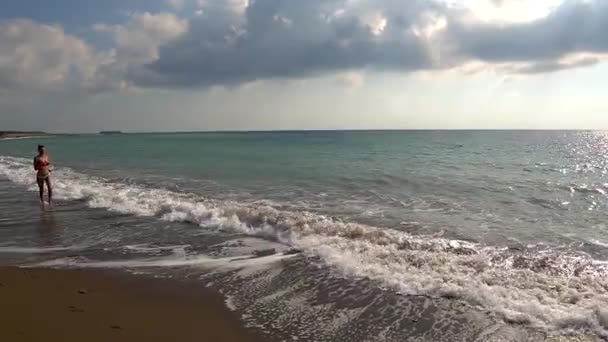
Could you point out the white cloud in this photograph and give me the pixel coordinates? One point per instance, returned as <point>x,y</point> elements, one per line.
<point>141,36</point>
<point>283,20</point>
<point>375,22</point>
<point>235,6</point>
<point>38,56</point>
<point>350,78</point>
<point>137,42</point>
<point>176,4</point>
<point>511,10</point>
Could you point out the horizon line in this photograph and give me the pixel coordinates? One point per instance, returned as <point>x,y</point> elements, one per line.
<point>109,132</point>
<point>330,130</point>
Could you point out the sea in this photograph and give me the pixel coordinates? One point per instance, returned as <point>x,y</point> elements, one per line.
<point>336,235</point>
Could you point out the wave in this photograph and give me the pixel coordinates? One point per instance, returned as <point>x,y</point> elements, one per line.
<point>35,250</point>
<point>597,242</point>
<point>26,137</point>
<point>542,288</point>
<point>175,260</point>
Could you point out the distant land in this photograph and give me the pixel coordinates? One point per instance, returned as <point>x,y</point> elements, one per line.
<point>110,132</point>
<point>21,134</point>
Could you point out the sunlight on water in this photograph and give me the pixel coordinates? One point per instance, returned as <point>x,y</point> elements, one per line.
<point>512,223</point>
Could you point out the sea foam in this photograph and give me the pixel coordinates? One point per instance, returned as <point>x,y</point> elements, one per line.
<point>542,288</point>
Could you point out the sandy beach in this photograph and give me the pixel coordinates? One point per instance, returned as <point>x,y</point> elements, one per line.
<point>66,305</point>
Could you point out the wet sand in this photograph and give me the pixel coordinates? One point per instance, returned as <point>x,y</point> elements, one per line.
<point>67,305</point>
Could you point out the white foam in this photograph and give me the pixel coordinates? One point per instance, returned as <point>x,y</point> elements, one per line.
<point>133,263</point>
<point>249,262</point>
<point>229,301</point>
<point>542,288</point>
<point>34,250</point>
<point>247,246</point>
<point>79,263</point>
<point>598,243</point>
<point>146,248</point>
<point>26,137</point>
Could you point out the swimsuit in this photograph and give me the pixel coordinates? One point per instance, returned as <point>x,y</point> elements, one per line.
<point>44,163</point>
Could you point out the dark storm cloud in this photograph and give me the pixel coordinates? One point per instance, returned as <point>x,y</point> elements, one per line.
<point>282,39</point>
<point>230,42</point>
<point>552,66</point>
<point>287,39</point>
<point>574,27</point>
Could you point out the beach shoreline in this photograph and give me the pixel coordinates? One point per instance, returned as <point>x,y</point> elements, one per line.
<point>7,135</point>
<point>85,305</point>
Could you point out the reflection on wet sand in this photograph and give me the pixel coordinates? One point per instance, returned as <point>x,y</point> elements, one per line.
<point>49,230</point>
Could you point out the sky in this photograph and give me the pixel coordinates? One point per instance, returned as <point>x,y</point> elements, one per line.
<point>190,65</point>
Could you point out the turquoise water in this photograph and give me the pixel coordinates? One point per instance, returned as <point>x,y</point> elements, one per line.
<point>488,186</point>
<point>517,215</point>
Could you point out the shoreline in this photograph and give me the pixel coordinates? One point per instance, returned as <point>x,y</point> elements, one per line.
<point>22,134</point>
<point>25,137</point>
<point>95,305</point>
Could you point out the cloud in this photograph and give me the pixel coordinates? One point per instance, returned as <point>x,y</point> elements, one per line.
<point>350,78</point>
<point>500,3</point>
<point>234,6</point>
<point>268,39</point>
<point>137,42</point>
<point>42,57</point>
<point>553,66</point>
<point>176,4</point>
<point>38,56</point>
<point>231,42</point>
<point>290,39</point>
<point>576,26</point>
<point>140,38</point>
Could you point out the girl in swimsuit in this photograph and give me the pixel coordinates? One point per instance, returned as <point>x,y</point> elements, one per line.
<point>42,164</point>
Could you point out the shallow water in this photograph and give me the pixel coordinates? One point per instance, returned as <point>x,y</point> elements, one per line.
<point>439,235</point>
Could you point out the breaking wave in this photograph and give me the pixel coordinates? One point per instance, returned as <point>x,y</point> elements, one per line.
<point>549,289</point>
